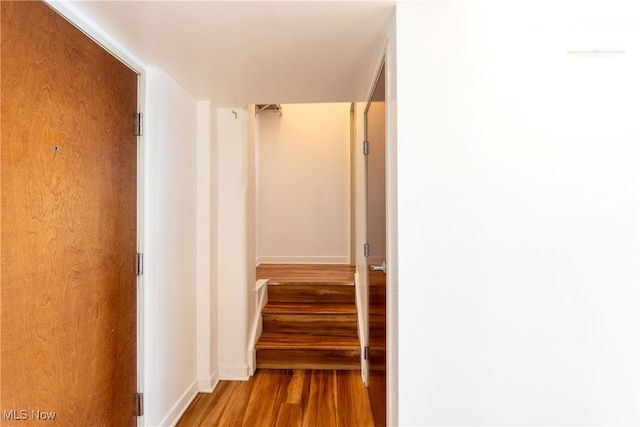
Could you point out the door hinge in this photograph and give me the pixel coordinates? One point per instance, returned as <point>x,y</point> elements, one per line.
<point>365,148</point>
<point>366,249</point>
<point>139,405</point>
<point>138,130</point>
<point>366,353</point>
<point>139,264</point>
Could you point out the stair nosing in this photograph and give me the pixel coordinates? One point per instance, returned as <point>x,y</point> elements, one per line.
<point>273,307</point>
<point>309,283</point>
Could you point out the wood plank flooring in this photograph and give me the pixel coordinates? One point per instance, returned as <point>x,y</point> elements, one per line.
<point>284,398</point>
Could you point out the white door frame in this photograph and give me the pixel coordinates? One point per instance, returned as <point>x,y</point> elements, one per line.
<point>388,58</point>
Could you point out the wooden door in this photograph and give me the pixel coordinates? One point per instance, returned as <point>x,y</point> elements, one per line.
<point>67,225</point>
<point>376,238</point>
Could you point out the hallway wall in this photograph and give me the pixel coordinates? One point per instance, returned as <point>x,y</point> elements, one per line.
<point>518,208</point>
<point>207,266</point>
<point>236,240</point>
<point>170,274</point>
<point>304,199</point>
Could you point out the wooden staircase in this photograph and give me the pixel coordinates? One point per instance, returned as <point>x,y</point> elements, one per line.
<point>309,324</point>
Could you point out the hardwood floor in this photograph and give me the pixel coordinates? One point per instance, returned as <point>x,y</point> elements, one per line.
<point>284,398</point>
<point>310,322</point>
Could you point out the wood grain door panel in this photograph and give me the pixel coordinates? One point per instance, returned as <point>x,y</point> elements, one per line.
<point>68,224</point>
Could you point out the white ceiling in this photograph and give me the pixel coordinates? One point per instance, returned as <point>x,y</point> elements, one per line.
<point>241,52</point>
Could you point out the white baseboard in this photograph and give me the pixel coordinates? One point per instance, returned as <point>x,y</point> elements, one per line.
<point>181,405</point>
<point>234,373</point>
<point>207,385</point>
<point>305,259</point>
<point>251,357</point>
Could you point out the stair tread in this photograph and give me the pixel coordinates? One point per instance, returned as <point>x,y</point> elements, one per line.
<point>307,342</point>
<point>309,308</point>
<point>293,282</point>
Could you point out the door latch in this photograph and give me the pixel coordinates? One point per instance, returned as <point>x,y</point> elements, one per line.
<point>382,267</point>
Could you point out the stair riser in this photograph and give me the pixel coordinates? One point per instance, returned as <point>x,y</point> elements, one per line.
<point>312,293</point>
<point>335,325</point>
<point>308,359</point>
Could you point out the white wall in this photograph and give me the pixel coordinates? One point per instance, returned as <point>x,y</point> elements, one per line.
<point>518,214</point>
<point>170,250</point>
<point>213,260</point>
<point>207,358</point>
<point>253,311</point>
<point>256,183</point>
<point>236,260</point>
<point>304,184</point>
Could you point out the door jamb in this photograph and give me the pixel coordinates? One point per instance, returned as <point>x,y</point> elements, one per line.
<point>365,111</point>
<point>386,59</point>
